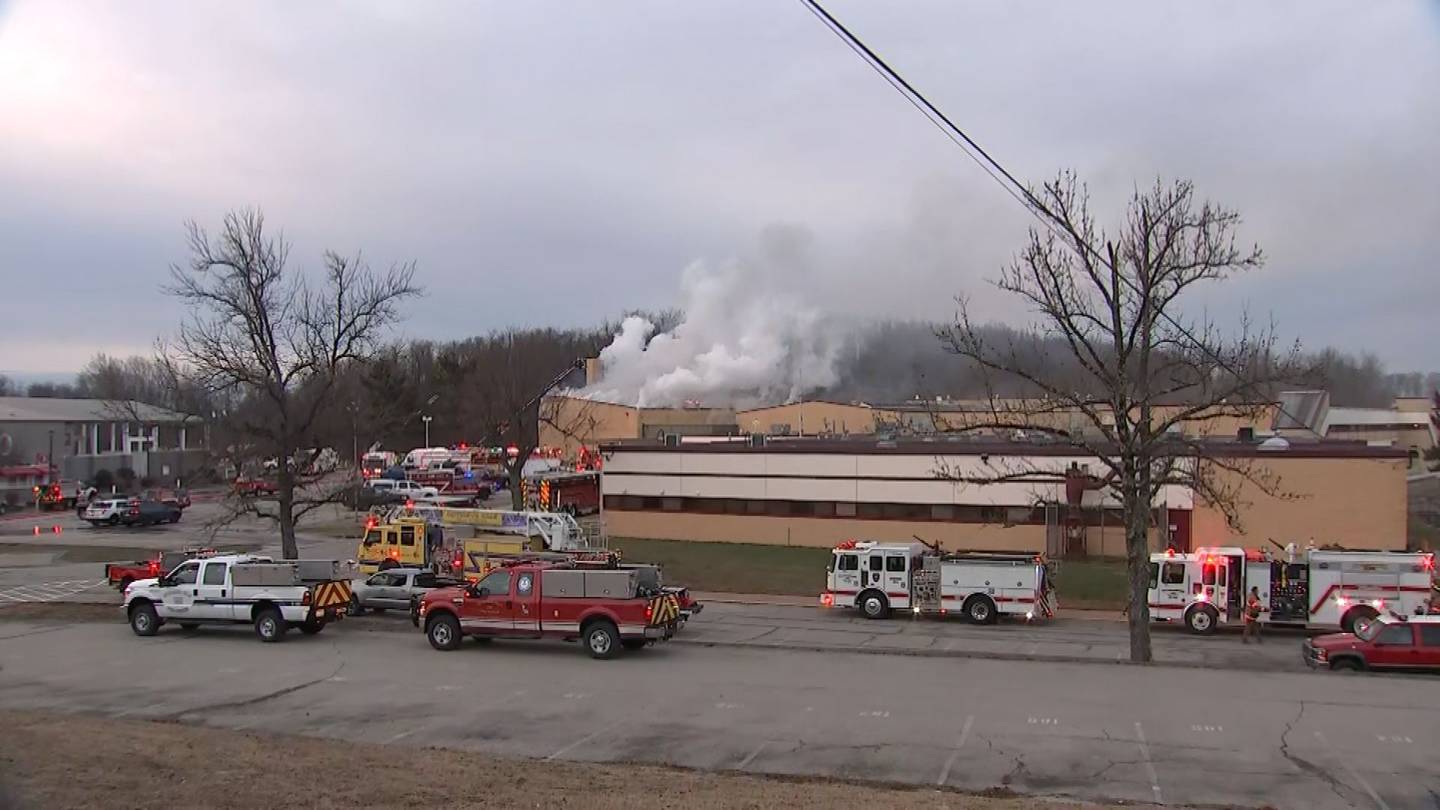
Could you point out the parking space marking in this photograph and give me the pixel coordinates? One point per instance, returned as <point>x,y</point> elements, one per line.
<point>1149,765</point>
<point>1208,729</point>
<point>583,740</point>
<point>1043,721</point>
<point>727,706</point>
<point>1345,763</point>
<point>47,591</point>
<point>749,758</point>
<point>954,755</point>
<point>1394,739</point>
<point>875,714</point>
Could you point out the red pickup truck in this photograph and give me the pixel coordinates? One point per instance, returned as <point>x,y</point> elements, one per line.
<point>1386,643</point>
<point>606,609</point>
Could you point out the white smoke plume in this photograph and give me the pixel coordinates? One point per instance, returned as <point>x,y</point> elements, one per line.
<point>744,340</point>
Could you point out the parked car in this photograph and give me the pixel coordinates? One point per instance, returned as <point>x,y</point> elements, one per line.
<point>395,589</point>
<point>254,487</point>
<point>1388,642</point>
<point>363,499</point>
<point>146,512</point>
<point>409,489</point>
<point>106,511</point>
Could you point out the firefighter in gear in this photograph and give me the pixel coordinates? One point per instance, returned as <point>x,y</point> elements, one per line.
<point>1253,609</point>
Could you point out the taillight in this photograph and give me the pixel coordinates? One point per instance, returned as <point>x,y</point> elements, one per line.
<point>649,612</point>
<point>305,600</point>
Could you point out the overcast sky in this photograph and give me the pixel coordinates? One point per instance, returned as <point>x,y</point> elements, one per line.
<point>557,163</point>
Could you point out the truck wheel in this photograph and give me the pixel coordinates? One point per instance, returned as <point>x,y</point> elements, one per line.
<point>633,643</point>
<point>602,640</point>
<point>1346,664</point>
<point>174,517</point>
<point>1202,620</point>
<point>270,625</point>
<point>113,520</point>
<point>873,605</point>
<point>1355,615</point>
<point>981,610</point>
<point>443,632</point>
<point>144,620</point>
<point>310,628</point>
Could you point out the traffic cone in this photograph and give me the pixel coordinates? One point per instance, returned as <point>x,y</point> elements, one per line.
<point>56,529</point>
<point>37,531</point>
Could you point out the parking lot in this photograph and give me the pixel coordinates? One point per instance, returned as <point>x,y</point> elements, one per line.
<point>1182,736</point>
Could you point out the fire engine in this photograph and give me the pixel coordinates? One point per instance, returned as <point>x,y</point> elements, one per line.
<point>876,578</point>
<point>1308,588</point>
<point>575,493</point>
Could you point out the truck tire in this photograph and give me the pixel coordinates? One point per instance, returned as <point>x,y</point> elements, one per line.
<point>1354,615</point>
<point>873,605</point>
<point>144,621</point>
<point>270,625</point>
<point>980,609</point>
<point>443,632</point>
<point>312,627</point>
<point>113,520</point>
<point>1347,664</point>
<point>1202,620</point>
<point>633,643</point>
<point>601,639</point>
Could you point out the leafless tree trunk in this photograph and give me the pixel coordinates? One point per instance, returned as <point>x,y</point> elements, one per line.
<point>260,333</point>
<point>1145,378</point>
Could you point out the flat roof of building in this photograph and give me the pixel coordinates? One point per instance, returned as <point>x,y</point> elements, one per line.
<point>948,446</point>
<point>56,409</point>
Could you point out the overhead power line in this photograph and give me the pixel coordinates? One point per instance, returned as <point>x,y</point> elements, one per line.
<point>997,172</point>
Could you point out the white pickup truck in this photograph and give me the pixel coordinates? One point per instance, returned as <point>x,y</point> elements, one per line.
<point>242,589</point>
<point>411,489</point>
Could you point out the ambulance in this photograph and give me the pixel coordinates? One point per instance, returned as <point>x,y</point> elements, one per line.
<point>1299,587</point>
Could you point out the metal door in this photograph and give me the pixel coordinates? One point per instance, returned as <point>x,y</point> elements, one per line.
<point>179,599</point>
<point>874,570</point>
<point>525,614</point>
<point>212,594</point>
<point>897,573</point>
<point>847,574</point>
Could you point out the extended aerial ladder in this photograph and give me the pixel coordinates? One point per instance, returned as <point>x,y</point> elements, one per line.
<point>558,531</point>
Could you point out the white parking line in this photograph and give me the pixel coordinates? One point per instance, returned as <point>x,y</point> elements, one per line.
<point>587,738</point>
<point>1149,765</point>
<point>1354,774</point>
<point>749,758</point>
<point>950,763</point>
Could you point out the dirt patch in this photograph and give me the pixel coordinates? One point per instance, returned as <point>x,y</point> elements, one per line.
<point>59,761</point>
<point>62,612</point>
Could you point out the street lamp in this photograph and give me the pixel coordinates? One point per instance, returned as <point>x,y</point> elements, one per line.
<point>50,461</point>
<point>426,420</point>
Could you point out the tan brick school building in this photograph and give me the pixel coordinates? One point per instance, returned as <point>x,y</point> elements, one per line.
<point>817,492</point>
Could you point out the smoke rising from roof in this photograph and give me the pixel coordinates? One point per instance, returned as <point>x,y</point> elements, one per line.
<point>745,339</point>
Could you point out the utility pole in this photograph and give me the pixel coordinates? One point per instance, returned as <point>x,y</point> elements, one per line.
<point>50,461</point>
<point>426,420</point>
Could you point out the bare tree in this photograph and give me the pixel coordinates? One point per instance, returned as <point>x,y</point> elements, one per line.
<point>1145,378</point>
<point>259,332</point>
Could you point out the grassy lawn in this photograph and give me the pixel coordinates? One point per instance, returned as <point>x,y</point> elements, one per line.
<point>1093,584</point>
<point>794,571</point>
<point>733,567</point>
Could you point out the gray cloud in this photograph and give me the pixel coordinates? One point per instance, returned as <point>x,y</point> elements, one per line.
<point>560,163</point>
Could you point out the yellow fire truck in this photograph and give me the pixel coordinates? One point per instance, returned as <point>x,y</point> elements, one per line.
<point>434,537</point>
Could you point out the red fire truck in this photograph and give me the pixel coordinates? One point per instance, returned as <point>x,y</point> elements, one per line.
<point>576,493</point>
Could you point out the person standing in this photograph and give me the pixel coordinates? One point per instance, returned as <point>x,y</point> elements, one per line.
<point>1253,609</point>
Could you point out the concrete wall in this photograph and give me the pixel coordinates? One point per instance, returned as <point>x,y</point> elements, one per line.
<point>1358,503</point>
<point>570,423</point>
<point>808,419</point>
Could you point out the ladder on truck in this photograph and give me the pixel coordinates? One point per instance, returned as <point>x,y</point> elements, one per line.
<point>559,531</point>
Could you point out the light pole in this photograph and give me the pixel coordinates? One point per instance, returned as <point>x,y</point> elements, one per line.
<point>426,420</point>
<point>50,461</point>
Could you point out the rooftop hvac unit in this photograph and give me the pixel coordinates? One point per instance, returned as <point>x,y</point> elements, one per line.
<point>757,439</point>
<point>671,439</point>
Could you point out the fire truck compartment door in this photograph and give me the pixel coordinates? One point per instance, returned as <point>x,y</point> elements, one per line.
<point>897,571</point>
<point>874,570</point>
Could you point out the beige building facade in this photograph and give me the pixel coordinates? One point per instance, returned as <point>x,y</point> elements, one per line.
<point>811,492</point>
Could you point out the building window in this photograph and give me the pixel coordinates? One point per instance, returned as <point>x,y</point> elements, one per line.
<point>844,510</point>
<point>672,504</point>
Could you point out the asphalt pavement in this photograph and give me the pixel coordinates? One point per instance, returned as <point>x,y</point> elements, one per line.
<point>1179,736</point>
